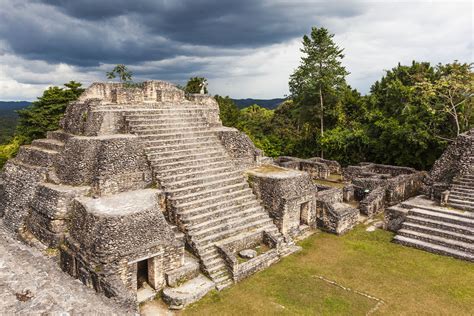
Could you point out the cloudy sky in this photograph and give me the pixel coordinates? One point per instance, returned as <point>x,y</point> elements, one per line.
<point>246,48</point>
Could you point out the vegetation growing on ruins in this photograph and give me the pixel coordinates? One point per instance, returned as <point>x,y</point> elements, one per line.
<point>195,84</point>
<point>367,262</point>
<point>121,71</point>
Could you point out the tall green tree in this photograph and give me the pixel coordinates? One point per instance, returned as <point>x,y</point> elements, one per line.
<point>195,85</point>
<point>452,93</point>
<point>228,111</point>
<point>122,72</point>
<point>320,74</point>
<point>44,114</point>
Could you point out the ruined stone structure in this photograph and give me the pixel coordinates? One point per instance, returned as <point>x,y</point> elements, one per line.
<point>451,179</point>
<point>333,212</point>
<point>427,224</point>
<point>318,168</point>
<point>137,174</point>
<point>377,186</point>
<point>288,195</point>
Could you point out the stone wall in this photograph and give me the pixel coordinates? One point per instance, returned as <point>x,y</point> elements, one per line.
<point>239,147</point>
<point>20,182</point>
<point>317,167</point>
<point>50,210</point>
<point>109,164</point>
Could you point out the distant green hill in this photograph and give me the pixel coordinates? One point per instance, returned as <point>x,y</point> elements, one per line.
<point>266,103</point>
<point>8,118</point>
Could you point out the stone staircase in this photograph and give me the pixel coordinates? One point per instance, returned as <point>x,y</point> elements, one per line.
<point>439,230</point>
<point>210,200</point>
<point>461,195</point>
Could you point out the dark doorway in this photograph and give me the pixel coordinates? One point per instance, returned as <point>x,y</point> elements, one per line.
<point>304,213</point>
<point>142,273</point>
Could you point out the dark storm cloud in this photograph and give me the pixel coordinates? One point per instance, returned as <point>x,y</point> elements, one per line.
<point>90,32</point>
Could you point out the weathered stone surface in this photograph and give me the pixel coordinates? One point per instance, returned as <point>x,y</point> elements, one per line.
<point>46,289</point>
<point>109,164</point>
<point>333,215</point>
<point>239,146</point>
<point>19,185</point>
<point>248,253</point>
<point>288,195</point>
<point>189,292</point>
<point>189,270</point>
<point>317,167</point>
<point>377,186</point>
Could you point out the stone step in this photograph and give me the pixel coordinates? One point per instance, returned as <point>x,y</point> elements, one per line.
<point>209,249</point>
<point>154,117</point>
<point>224,234</point>
<point>209,200</point>
<point>171,149</point>
<point>163,124</point>
<point>186,170</point>
<point>438,232</point>
<point>204,178</point>
<point>184,154</point>
<point>185,163</point>
<point>438,240</point>
<point>210,192</point>
<point>440,224</point>
<point>233,214</point>
<point>461,188</point>
<point>461,206</point>
<point>171,136</point>
<point>200,173</point>
<point>450,218</point>
<point>49,144</point>
<point>217,208</point>
<point>58,135</point>
<point>464,182</point>
<point>37,156</point>
<point>229,225</point>
<point>219,214</point>
<point>153,129</point>
<point>203,187</point>
<point>154,141</point>
<point>430,247</point>
<point>460,201</point>
<point>460,196</point>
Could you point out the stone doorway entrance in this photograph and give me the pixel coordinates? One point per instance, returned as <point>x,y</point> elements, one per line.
<point>142,274</point>
<point>304,213</point>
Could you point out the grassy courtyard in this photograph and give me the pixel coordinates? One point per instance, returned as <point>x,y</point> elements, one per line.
<point>408,281</point>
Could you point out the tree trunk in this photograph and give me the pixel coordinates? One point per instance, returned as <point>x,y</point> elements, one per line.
<point>322,116</point>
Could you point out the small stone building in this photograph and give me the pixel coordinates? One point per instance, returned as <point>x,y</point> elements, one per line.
<point>288,196</point>
<point>121,243</point>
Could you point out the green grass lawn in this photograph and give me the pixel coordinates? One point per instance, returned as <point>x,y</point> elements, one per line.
<point>409,281</point>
